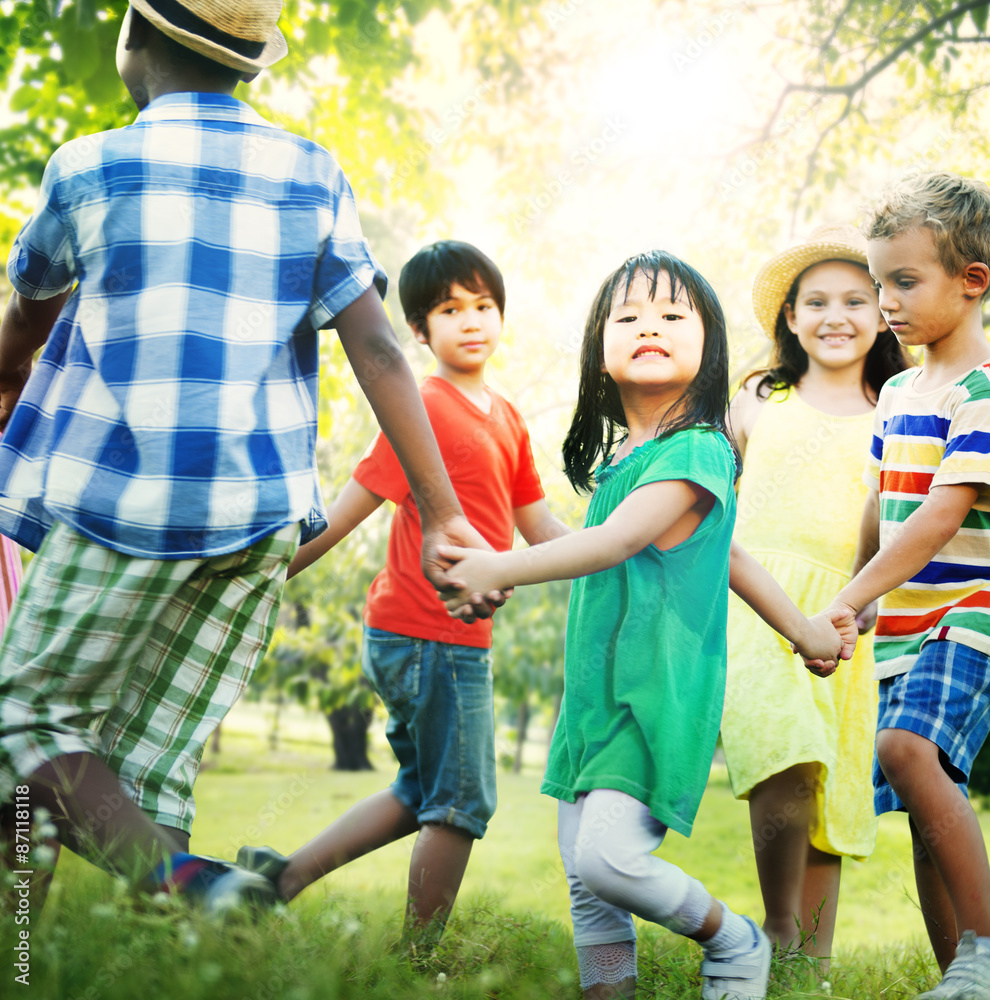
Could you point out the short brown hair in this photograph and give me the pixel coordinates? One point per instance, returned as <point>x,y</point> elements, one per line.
<point>955,209</point>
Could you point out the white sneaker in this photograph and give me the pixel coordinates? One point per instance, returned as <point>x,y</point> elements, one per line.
<point>968,977</point>
<point>742,977</point>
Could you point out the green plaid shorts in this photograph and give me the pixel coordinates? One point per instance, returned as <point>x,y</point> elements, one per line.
<point>135,660</point>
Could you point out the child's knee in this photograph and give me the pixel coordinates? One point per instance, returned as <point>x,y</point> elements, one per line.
<point>900,752</point>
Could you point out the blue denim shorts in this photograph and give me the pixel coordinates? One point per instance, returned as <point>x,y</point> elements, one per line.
<point>945,697</point>
<point>441,726</point>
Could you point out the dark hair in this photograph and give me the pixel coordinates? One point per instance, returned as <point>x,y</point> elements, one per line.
<point>789,360</point>
<point>426,278</point>
<point>188,59</point>
<point>599,412</point>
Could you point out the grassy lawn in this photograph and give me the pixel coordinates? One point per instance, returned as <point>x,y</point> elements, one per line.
<point>510,936</point>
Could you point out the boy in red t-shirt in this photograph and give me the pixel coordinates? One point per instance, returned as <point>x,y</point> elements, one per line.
<point>433,672</point>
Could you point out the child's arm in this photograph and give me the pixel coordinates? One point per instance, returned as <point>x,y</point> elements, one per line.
<point>537,524</point>
<point>816,639</point>
<point>918,541</point>
<point>387,380</point>
<point>866,549</point>
<point>642,518</point>
<point>353,504</point>
<point>24,328</point>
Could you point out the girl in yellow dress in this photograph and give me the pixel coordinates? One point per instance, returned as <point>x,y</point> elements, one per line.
<point>799,747</point>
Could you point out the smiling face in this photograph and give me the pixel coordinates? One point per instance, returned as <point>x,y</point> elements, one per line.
<point>652,345</point>
<point>835,317</point>
<point>462,331</point>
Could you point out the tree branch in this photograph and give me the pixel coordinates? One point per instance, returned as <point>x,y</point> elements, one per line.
<point>850,89</point>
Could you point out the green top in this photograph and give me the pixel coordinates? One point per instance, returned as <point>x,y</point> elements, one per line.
<point>644,665</point>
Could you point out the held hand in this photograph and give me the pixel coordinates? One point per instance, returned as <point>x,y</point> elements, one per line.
<point>457,534</point>
<point>819,645</point>
<point>867,617</point>
<point>472,574</point>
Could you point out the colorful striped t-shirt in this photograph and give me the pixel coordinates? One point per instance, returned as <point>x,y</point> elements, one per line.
<point>923,439</point>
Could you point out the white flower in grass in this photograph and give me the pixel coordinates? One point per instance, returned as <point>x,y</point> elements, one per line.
<point>47,830</point>
<point>826,987</point>
<point>44,856</point>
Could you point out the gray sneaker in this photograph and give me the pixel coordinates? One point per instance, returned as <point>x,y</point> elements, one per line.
<point>741,978</point>
<point>968,977</point>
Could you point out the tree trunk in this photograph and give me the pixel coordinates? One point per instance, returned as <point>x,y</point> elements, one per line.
<point>349,727</point>
<point>522,724</point>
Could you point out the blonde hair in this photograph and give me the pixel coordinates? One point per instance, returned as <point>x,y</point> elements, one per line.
<point>956,210</point>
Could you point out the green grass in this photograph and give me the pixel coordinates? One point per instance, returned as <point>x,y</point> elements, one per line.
<point>510,934</point>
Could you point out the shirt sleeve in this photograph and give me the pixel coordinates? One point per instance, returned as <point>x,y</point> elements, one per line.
<point>380,472</point>
<point>871,472</point>
<point>695,455</point>
<point>347,268</point>
<point>966,458</point>
<point>41,262</point>
<point>526,488</point>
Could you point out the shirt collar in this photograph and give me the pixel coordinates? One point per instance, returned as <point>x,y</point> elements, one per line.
<point>189,106</point>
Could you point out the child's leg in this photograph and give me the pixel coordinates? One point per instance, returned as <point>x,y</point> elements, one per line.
<point>604,935</point>
<point>374,822</point>
<point>437,866</point>
<point>947,829</point>
<point>614,860</point>
<point>820,903</point>
<point>780,818</point>
<point>799,884</point>
<point>936,906</point>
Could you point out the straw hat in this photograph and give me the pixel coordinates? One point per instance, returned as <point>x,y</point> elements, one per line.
<point>776,276</point>
<point>241,35</point>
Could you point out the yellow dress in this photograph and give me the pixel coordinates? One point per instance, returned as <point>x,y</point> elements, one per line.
<point>801,497</point>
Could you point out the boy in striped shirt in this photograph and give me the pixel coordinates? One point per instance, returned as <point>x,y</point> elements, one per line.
<point>925,549</point>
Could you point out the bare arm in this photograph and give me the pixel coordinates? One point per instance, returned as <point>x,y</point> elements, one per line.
<point>743,411</point>
<point>353,504</point>
<point>536,524</point>
<point>919,540</point>
<point>24,328</point>
<point>644,517</point>
<point>814,638</point>
<point>386,379</point>
<point>866,548</point>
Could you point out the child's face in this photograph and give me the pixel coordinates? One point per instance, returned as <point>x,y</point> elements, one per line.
<point>922,304</point>
<point>652,344</point>
<point>836,316</point>
<point>463,331</point>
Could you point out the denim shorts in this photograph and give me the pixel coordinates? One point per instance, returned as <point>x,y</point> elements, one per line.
<point>945,697</point>
<point>441,726</point>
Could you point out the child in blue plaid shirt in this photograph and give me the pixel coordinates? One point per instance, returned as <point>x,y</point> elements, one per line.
<point>161,456</point>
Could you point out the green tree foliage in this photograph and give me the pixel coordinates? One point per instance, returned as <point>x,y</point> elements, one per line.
<point>861,69</point>
<point>341,78</point>
<point>529,654</point>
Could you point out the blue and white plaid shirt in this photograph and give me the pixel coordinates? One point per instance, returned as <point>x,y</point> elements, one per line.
<point>173,412</point>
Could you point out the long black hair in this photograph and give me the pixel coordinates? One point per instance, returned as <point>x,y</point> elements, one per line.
<point>598,413</point>
<point>789,361</point>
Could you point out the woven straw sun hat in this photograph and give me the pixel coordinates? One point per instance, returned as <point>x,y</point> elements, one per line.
<point>775,278</point>
<point>241,35</point>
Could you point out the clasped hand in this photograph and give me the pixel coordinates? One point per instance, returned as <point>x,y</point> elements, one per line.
<point>831,636</point>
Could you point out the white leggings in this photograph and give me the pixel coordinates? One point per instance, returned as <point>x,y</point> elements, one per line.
<point>606,841</point>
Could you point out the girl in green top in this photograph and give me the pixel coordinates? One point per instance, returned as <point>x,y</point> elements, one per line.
<point>644,668</point>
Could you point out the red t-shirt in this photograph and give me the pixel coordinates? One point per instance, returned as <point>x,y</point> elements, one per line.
<point>490,464</point>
